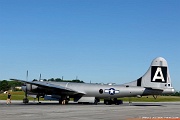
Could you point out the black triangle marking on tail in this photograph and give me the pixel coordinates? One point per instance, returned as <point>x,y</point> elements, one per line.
<point>158,74</point>
<point>139,81</point>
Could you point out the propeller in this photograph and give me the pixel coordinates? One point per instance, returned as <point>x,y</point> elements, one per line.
<point>25,100</point>
<point>26,84</point>
<point>38,89</point>
<point>40,77</point>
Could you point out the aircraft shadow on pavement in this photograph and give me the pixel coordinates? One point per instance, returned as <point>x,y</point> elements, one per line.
<point>146,105</point>
<point>56,103</point>
<point>99,104</point>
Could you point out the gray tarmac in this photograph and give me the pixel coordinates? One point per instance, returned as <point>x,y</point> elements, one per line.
<point>73,111</point>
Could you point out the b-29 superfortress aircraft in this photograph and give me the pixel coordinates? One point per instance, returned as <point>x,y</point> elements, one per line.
<point>155,81</point>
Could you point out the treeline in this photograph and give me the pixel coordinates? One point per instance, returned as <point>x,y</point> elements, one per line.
<point>176,94</point>
<point>60,80</point>
<point>6,85</point>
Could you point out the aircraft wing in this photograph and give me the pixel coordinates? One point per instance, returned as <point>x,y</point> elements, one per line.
<point>50,86</point>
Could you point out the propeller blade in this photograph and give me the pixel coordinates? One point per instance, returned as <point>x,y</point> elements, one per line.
<point>26,84</point>
<point>40,77</point>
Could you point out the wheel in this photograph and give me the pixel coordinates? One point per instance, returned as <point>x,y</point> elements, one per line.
<point>117,103</point>
<point>95,102</point>
<point>25,100</point>
<point>120,101</point>
<point>108,102</point>
<point>66,102</point>
<point>60,101</point>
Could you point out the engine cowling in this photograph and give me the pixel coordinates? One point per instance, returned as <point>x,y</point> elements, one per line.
<point>29,87</point>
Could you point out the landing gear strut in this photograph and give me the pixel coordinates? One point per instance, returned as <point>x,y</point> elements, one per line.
<point>25,100</point>
<point>96,101</point>
<point>155,96</point>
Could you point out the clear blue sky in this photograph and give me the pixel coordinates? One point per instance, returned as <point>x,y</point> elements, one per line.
<point>96,40</point>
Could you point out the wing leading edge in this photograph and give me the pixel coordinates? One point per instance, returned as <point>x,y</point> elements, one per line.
<point>49,85</point>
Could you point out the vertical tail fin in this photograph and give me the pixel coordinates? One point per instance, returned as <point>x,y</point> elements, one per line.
<point>157,76</point>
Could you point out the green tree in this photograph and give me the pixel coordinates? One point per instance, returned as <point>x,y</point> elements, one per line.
<point>77,81</point>
<point>14,83</point>
<point>4,86</point>
<point>58,80</point>
<point>176,94</point>
<point>52,79</point>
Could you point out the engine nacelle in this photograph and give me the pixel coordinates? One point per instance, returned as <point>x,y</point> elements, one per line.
<point>29,87</point>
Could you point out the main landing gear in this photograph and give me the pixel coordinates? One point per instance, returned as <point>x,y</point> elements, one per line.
<point>25,100</point>
<point>113,101</point>
<point>64,100</point>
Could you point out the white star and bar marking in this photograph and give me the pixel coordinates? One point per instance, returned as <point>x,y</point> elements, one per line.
<point>111,91</point>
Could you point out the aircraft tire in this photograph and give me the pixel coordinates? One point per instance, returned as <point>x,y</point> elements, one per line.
<point>108,102</point>
<point>60,101</point>
<point>118,102</point>
<point>95,102</point>
<point>66,102</point>
<point>25,100</point>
